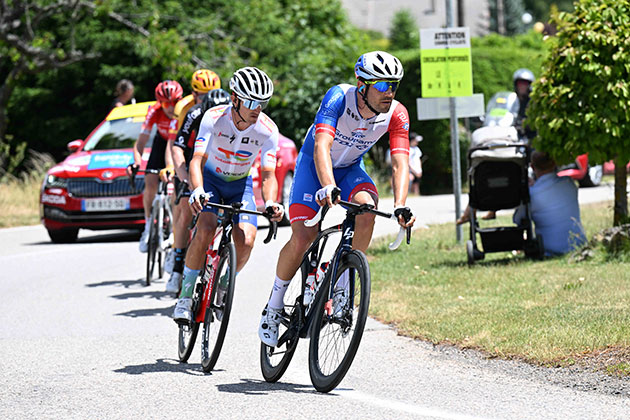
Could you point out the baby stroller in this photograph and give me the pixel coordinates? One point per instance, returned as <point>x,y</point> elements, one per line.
<point>497,177</point>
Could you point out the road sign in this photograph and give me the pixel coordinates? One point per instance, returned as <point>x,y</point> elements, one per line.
<point>446,67</point>
<point>438,108</point>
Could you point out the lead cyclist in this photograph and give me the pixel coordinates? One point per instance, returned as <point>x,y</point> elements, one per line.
<point>350,120</point>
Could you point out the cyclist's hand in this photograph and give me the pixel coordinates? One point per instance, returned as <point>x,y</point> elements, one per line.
<point>132,169</point>
<point>324,196</point>
<point>275,209</point>
<point>166,174</point>
<point>405,216</point>
<point>195,203</point>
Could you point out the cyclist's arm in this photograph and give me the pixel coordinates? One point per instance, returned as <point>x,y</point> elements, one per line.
<point>269,188</point>
<point>138,147</point>
<point>269,184</point>
<point>172,132</point>
<point>400,178</point>
<point>179,161</point>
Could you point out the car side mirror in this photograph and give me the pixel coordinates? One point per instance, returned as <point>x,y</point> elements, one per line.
<point>74,145</point>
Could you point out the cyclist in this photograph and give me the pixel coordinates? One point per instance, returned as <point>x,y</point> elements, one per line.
<point>523,79</point>
<point>162,114</point>
<point>201,82</point>
<point>228,142</point>
<point>350,120</point>
<point>182,154</point>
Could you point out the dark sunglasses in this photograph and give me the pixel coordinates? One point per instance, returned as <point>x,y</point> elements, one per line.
<point>383,85</point>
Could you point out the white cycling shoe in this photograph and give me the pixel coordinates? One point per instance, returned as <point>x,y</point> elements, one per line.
<point>144,241</point>
<point>183,311</point>
<point>268,329</point>
<point>174,283</point>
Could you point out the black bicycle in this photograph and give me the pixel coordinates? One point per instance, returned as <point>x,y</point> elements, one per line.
<point>335,318</point>
<point>212,305</point>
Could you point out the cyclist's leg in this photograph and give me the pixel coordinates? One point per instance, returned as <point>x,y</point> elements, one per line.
<point>357,186</point>
<point>182,234</point>
<point>156,161</point>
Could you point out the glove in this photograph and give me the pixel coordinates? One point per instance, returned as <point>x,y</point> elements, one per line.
<point>327,191</point>
<point>405,212</point>
<point>194,196</point>
<point>270,207</point>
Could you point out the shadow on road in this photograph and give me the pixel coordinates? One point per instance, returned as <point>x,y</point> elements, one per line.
<point>137,313</point>
<point>124,283</point>
<point>162,365</point>
<point>257,387</point>
<point>145,294</point>
<point>98,238</point>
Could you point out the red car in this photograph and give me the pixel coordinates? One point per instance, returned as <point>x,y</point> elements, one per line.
<point>90,188</point>
<point>582,172</point>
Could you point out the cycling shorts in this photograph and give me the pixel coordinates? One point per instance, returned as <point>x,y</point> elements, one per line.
<point>156,158</point>
<point>224,192</point>
<point>350,180</point>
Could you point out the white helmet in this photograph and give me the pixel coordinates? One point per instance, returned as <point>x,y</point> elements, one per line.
<point>251,83</point>
<point>377,65</point>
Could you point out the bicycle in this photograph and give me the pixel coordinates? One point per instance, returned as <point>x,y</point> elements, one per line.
<point>209,306</point>
<point>326,327</point>
<point>161,228</point>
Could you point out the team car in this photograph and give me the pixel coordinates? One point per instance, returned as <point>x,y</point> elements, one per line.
<point>90,188</point>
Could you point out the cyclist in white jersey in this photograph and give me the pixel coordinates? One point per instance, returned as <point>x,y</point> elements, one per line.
<point>350,120</point>
<point>229,139</point>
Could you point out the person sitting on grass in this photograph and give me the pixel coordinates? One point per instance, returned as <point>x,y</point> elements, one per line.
<point>554,208</point>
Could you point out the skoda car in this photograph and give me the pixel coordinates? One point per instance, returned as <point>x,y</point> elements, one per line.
<point>90,188</point>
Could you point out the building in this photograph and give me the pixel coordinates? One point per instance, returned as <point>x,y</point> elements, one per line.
<point>377,14</point>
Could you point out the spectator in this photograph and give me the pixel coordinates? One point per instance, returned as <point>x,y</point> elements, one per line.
<point>415,163</point>
<point>554,208</point>
<point>124,93</point>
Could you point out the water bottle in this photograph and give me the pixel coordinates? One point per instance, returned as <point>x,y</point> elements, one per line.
<point>312,280</point>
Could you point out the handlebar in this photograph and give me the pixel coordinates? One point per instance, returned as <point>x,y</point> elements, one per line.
<point>235,208</point>
<point>136,170</point>
<point>365,208</point>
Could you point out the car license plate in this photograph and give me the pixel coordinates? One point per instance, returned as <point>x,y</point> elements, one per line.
<point>106,204</point>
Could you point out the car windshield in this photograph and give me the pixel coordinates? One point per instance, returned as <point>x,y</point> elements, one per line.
<point>118,134</point>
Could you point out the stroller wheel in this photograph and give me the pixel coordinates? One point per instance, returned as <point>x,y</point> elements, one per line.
<point>470,252</point>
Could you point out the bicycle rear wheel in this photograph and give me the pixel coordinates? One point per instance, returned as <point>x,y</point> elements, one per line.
<point>187,339</point>
<point>335,336</point>
<point>152,247</point>
<point>274,361</point>
<point>218,310</point>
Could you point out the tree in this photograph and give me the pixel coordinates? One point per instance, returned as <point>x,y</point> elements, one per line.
<point>513,16</point>
<point>580,102</point>
<point>540,8</point>
<point>403,33</point>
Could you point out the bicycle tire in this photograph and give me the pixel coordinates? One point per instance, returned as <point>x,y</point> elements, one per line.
<point>186,340</point>
<point>152,247</point>
<point>271,366</point>
<point>214,329</point>
<point>166,227</point>
<point>327,367</point>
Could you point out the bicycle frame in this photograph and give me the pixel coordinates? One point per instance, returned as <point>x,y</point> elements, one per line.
<point>160,201</point>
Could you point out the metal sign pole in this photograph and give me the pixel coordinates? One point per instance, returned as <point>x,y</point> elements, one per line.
<point>457,185</point>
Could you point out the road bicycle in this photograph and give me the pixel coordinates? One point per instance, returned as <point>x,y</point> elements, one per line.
<point>161,228</point>
<point>212,305</point>
<point>334,324</point>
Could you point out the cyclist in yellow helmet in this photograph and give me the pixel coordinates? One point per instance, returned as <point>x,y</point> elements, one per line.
<point>202,82</point>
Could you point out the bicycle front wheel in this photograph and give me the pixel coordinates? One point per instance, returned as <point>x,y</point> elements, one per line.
<point>338,323</point>
<point>186,341</point>
<point>274,361</point>
<point>219,307</point>
<point>152,246</point>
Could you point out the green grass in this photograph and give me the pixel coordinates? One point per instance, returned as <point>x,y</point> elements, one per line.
<point>550,312</point>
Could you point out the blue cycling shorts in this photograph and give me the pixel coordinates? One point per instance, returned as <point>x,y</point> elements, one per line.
<point>224,192</point>
<point>350,180</point>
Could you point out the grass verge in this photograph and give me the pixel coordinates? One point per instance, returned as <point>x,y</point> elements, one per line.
<point>552,312</point>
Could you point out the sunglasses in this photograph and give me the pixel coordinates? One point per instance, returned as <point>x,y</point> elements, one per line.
<point>383,85</point>
<point>169,104</point>
<point>251,104</point>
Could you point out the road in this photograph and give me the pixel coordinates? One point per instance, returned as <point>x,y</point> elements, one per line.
<point>81,337</point>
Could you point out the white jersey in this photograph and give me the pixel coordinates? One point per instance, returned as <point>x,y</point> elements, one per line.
<point>231,152</point>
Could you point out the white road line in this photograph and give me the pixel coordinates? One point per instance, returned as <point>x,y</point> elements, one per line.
<point>405,407</point>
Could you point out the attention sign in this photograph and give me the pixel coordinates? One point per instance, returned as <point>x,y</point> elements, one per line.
<point>446,67</point>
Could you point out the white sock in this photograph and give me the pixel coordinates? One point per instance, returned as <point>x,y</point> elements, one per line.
<point>147,223</point>
<point>276,300</point>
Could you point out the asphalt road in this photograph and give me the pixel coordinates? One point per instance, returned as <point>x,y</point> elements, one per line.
<point>82,337</point>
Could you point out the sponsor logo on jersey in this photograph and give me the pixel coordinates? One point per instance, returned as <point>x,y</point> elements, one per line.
<point>240,155</point>
<point>358,179</point>
<point>352,114</point>
<point>308,197</point>
<point>334,99</point>
<point>223,135</point>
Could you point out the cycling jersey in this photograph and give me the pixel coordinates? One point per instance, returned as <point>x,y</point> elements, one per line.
<point>186,135</point>
<point>166,130</point>
<point>338,115</point>
<point>231,152</point>
<point>182,107</point>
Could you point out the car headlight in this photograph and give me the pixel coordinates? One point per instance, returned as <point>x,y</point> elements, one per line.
<point>53,181</point>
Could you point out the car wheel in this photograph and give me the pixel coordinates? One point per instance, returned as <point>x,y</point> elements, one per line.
<point>286,192</point>
<point>63,236</point>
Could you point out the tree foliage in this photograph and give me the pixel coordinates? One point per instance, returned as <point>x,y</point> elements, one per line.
<point>580,103</point>
<point>512,12</point>
<point>304,46</point>
<point>540,9</point>
<point>404,31</point>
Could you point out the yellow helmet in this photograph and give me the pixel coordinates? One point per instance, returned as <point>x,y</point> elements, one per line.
<point>205,80</point>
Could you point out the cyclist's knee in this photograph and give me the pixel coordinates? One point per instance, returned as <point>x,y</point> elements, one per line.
<point>302,237</point>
